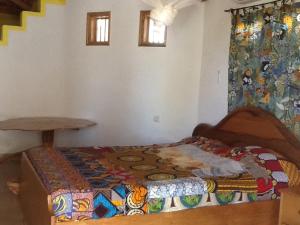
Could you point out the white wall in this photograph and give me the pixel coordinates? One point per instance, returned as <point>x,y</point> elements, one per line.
<point>48,70</point>
<point>32,72</point>
<point>123,86</point>
<point>214,84</point>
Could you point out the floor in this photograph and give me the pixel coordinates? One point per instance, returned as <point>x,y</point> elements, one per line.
<point>10,212</point>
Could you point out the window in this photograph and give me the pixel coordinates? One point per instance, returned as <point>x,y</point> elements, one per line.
<point>98,28</point>
<point>152,33</point>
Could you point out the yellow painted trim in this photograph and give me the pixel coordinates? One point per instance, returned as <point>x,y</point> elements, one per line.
<point>42,12</point>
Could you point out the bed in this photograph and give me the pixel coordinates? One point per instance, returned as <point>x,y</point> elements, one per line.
<point>249,130</point>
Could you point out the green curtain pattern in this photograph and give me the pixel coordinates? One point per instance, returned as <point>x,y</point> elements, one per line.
<point>264,62</point>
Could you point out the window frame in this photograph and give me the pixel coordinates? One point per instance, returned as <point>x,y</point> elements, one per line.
<point>144,31</point>
<point>91,28</point>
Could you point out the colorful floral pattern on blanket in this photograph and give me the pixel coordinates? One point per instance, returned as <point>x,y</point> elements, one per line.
<point>176,188</point>
<point>158,205</point>
<point>72,196</point>
<point>103,182</point>
<point>153,164</point>
<point>277,176</point>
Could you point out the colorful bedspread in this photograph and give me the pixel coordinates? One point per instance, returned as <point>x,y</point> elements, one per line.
<point>102,182</point>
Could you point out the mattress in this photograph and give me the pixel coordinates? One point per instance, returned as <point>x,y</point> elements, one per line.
<point>103,182</point>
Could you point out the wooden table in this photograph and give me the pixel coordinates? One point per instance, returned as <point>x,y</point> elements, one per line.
<point>46,125</point>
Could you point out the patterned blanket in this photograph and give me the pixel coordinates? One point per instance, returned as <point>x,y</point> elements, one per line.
<point>102,182</point>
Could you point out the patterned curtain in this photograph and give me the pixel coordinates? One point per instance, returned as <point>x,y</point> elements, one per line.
<point>264,63</point>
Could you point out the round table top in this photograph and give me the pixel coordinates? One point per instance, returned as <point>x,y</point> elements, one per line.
<point>45,123</point>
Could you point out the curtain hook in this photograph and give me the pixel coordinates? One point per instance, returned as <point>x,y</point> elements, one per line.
<point>234,12</point>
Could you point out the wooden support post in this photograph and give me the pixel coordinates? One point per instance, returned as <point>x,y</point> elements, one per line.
<point>48,138</point>
<point>21,4</point>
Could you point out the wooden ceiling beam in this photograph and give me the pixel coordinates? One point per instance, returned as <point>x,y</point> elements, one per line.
<point>9,10</point>
<point>21,4</point>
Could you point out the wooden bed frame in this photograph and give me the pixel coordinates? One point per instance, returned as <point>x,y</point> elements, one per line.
<point>251,126</point>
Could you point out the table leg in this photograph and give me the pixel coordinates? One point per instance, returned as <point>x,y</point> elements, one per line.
<point>48,138</point>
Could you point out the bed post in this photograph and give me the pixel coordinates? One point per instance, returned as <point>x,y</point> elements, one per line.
<point>34,198</point>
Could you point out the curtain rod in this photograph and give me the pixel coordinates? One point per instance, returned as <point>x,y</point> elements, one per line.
<point>262,4</point>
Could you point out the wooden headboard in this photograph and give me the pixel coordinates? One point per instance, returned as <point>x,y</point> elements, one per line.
<point>254,126</point>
